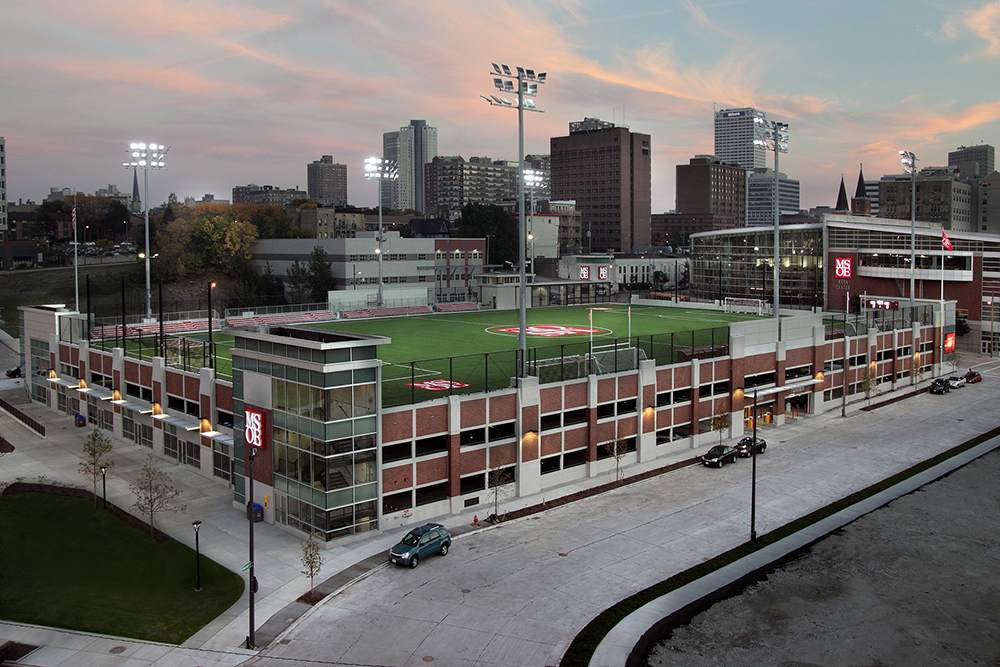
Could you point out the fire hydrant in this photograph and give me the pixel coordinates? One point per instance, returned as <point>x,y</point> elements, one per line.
<point>475,521</point>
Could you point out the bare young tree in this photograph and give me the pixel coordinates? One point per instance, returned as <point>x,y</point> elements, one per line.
<point>312,559</point>
<point>154,492</point>
<point>617,449</point>
<point>95,448</point>
<point>868,384</point>
<point>499,480</point>
<point>721,421</point>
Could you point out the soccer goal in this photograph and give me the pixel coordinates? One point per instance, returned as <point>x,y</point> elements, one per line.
<point>609,359</point>
<point>751,306</point>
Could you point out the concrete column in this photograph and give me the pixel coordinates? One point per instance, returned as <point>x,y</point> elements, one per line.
<point>646,438</point>
<point>779,381</point>
<point>529,472</point>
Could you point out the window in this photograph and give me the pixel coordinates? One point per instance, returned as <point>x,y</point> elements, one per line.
<point>550,464</point>
<point>432,494</point>
<point>398,452</point>
<point>397,502</point>
<point>549,422</point>
<point>605,410</point>
<point>472,483</point>
<point>475,436</point>
<point>432,445</point>
<point>501,431</point>
<point>572,417</point>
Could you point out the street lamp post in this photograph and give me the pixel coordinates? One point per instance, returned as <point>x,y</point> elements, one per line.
<point>909,161</point>
<point>380,169</point>
<point>147,157</point>
<point>197,553</point>
<point>527,89</point>
<point>251,639</point>
<point>104,484</point>
<point>753,473</point>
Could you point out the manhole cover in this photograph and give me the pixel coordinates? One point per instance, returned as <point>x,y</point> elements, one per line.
<point>116,650</point>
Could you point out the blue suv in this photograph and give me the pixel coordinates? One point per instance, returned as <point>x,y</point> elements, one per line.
<point>428,539</point>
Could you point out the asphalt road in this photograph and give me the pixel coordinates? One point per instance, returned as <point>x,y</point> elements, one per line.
<point>516,595</point>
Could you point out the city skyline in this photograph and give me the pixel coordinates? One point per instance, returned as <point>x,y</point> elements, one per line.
<point>253,93</point>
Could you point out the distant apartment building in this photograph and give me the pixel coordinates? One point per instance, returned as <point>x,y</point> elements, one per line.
<point>452,182</point>
<point>973,161</point>
<point>410,147</point>
<point>740,136</point>
<point>329,223</point>
<point>266,194</point>
<point>760,196</point>
<point>326,181</point>
<point>605,169</point>
<point>941,197</point>
<point>986,204</point>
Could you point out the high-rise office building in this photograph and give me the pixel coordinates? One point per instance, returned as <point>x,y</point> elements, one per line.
<point>983,156</point>
<point>326,181</point>
<point>740,136</point>
<point>709,186</point>
<point>606,169</point>
<point>411,147</point>
<point>760,196</point>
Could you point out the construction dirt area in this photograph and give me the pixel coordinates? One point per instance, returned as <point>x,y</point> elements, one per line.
<point>915,583</point>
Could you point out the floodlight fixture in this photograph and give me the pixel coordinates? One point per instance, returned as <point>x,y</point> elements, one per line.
<point>146,157</point>
<point>775,139</point>
<point>506,70</point>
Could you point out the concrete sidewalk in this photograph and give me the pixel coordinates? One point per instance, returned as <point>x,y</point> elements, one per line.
<point>223,538</point>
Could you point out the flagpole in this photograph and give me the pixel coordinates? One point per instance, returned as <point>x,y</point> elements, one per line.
<point>76,256</point>
<point>590,314</point>
<point>944,246</point>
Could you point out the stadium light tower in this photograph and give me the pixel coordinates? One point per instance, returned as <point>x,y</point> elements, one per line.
<point>909,161</point>
<point>380,169</point>
<point>146,157</point>
<point>527,89</point>
<point>776,140</point>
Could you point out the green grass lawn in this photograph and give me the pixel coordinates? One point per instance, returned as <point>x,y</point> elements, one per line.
<point>69,565</point>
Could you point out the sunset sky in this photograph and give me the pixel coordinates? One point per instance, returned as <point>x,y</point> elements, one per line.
<point>251,91</point>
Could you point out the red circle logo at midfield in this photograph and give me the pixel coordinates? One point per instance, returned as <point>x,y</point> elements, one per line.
<point>549,330</point>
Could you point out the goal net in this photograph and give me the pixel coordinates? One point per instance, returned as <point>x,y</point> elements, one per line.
<point>737,305</point>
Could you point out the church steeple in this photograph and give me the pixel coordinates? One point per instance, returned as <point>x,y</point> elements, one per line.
<point>842,205</point>
<point>861,204</point>
<point>136,200</point>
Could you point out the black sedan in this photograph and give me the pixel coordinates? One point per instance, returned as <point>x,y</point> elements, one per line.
<point>719,455</point>
<point>14,372</point>
<point>744,450</point>
<point>939,386</point>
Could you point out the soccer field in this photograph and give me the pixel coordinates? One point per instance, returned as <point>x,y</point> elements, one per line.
<point>475,350</point>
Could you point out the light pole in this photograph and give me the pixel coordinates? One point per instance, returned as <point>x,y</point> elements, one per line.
<point>211,350</point>
<point>147,157</point>
<point>776,140</point>
<point>104,484</point>
<point>197,553</point>
<point>909,161</point>
<point>527,88</point>
<point>532,177</point>
<point>251,639</point>
<point>380,169</point>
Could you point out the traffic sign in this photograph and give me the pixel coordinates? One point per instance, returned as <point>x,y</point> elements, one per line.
<point>246,567</point>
